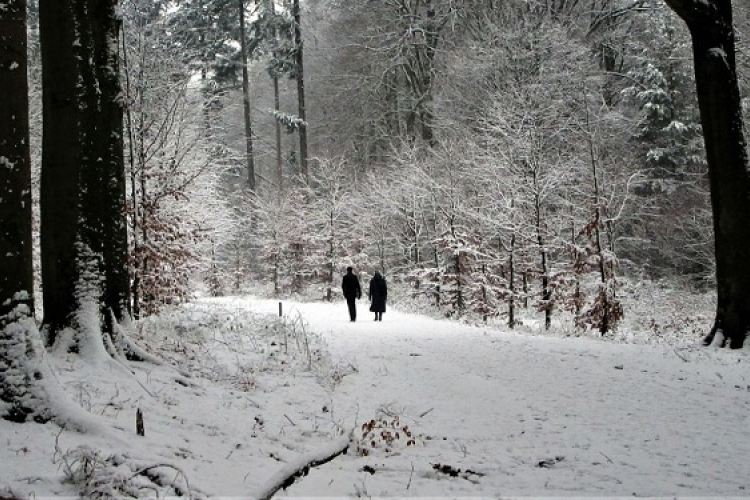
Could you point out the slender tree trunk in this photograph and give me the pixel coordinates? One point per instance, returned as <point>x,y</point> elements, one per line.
<point>546,293</point>
<point>606,306</point>
<point>277,265</point>
<point>146,297</point>
<point>604,326</point>
<point>249,158</point>
<point>238,272</point>
<point>710,25</point>
<point>427,62</point>
<point>300,75</point>
<point>457,271</point>
<point>545,282</point>
<point>577,288</point>
<point>279,161</point>
<point>381,252</point>
<point>145,293</point>
<point>135,273</point>
<point>414,216</point>
<point>512,283</point>
<point>276,108</point>
<point>398,85</point>
<point>431,222</point>
<point>331,253</point>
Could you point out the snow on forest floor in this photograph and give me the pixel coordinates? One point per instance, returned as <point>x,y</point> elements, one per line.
<point>435,408</point>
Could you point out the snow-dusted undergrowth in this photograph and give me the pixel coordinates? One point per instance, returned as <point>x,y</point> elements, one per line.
<point>221,386</point>
<point>654,313</point>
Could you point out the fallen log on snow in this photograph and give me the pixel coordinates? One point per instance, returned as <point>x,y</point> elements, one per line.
<point>288,474</point>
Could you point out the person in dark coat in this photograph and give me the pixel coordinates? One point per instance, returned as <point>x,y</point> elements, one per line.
<point>352,291</point>
<point>378,294</point>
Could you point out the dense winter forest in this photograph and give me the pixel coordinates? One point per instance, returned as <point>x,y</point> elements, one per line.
<point>173,171</point>
<point>484,155</point>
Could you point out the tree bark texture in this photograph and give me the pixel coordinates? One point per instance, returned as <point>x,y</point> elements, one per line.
<point>710,25</point>
<point>84,233</point>
<point>59,209</point>
<point>16,277</point>
<point>107,172</point>
<point>20,396</point>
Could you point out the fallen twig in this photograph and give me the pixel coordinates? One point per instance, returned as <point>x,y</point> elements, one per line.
<point>451,471</point>
<point>422,415</point>
<point>686,360</point>
<point>550,462</point>
<point>298,468</point>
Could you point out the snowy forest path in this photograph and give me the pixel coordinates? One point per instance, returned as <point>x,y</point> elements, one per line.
<point>532,415</point>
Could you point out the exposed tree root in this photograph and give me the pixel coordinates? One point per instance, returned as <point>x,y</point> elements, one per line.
<point>131,351</point>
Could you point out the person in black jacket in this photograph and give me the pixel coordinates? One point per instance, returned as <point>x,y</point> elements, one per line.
<point>378,294</point>
<point>352,291</point>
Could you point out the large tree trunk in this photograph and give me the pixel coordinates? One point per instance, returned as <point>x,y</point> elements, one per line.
<point>84,234</point>
<point>710,25</point>
<point>16,277</point>
<point>59,208</point>
<point>107,128</point>
<point>20,397</point>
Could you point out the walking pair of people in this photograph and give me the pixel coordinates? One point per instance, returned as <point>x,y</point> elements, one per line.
<point>378,293</point>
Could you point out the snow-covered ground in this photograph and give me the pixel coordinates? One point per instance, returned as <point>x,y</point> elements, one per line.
<point>429,408</point>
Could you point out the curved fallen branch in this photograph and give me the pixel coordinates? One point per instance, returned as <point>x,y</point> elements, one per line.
<point>288,474</point>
